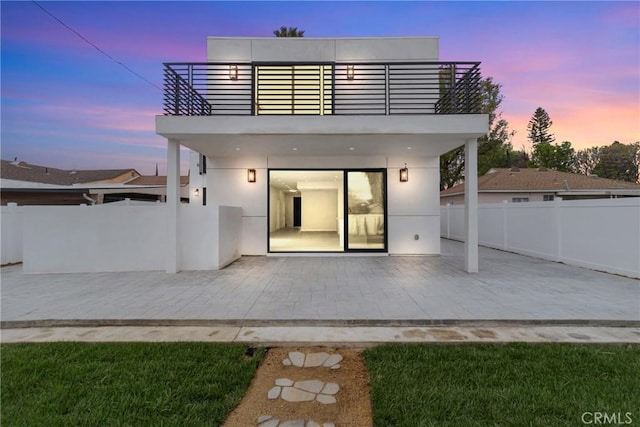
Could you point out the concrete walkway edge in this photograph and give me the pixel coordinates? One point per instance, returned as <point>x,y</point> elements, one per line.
<point>337,336</point>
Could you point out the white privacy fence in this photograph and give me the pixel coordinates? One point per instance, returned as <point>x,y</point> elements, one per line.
<point>102,238</point>
<point>601,234</point>
<point>11,237</point>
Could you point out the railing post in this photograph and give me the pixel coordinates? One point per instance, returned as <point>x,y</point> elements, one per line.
<point>176,91</point>
<point>454,94</point>
<point>387,96</point>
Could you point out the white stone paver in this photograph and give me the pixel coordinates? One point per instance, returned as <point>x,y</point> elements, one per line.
<point>270,421</point>
<point>332,361</point>
<point>508,286</point>
<point>297,358</point>
<point>274,392</point>
<point>325,399</point>
<point>291,394</point>
<point>330,388</point>
<point>304,391</point>
<point>313,386</point>
<point>313,360</point>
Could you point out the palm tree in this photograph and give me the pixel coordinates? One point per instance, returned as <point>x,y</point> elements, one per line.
<point>288,32</point>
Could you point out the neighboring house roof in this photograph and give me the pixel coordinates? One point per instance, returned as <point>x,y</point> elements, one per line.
<point>539,180</point>
<point>22,171</point>
<point>155,180</point>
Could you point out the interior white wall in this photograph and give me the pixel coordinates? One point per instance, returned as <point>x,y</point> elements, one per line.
<point>319,208</point>
<point>288,208</point>
<point>276,208</point>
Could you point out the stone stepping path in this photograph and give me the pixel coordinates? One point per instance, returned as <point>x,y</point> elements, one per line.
<point>307,387</point>
<point>269,421</point>
<point>304,391</point>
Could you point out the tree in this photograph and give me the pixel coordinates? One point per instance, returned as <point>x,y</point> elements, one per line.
<point>619,161</point>
<point>288,32</point>
<point>494,148</point>
<point>560,157</point>
<point>538,128</point>
<point>587,160</point>
<point>544,153</point>
<point>564,159</point>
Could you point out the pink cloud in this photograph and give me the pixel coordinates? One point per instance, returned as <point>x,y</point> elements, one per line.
<point>119,118</point>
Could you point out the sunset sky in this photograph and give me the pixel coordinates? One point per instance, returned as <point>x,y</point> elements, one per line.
<point>64,104</point>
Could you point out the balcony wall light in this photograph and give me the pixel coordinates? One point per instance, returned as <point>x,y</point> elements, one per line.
<point>404,174</point>
<point>350,72</point>
<point>251,175</point>
<point>196,192</point>
<point>233,72</point>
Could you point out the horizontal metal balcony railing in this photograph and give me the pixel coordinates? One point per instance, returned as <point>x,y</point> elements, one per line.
<point>215,88</point>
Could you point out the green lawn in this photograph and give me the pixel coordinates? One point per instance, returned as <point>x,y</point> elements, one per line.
<point>64,384</point>
<point>71,384</point>
<point>510,385</point>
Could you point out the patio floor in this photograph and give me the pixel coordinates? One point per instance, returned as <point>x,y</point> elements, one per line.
<point>332,289</point>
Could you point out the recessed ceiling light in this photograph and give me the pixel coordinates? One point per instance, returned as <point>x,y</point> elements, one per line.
<point>295,148</point>
<point>408,148</point>
<point>237,148</point>
<point>351,148</point>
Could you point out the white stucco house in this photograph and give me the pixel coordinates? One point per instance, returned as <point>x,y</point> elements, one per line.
<point>320,145</point>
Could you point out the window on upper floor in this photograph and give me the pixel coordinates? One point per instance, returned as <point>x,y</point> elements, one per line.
<point>293,89</point>
<point>519,199</point>
<point>548,197</point>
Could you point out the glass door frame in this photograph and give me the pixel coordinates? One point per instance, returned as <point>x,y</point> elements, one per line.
<point>385,247</point>
<point>345,208</point>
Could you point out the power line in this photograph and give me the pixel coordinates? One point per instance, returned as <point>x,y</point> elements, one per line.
<point>96,47</point>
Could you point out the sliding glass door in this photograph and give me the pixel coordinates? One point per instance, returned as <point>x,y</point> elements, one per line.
<point>327,210</point>
<point>366,204</point>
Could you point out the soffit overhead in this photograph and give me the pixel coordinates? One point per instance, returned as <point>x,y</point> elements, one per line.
<point>322,135</point>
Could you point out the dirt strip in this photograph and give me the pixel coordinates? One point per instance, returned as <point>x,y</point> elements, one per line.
<point>352,407</point>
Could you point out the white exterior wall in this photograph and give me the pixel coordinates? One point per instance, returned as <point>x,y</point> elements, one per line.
<point>412,207</point>
<point>322,50</point>
<point>601,234</point>
<point>78,239</point>
<point>11,237</point>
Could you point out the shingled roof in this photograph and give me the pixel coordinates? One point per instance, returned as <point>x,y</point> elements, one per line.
<point>155,180</point>
<point>540,180</point>
<point>22,171</point>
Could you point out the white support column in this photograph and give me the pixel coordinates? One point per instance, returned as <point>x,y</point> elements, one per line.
<point>471,206</point>
<point>173,203</point>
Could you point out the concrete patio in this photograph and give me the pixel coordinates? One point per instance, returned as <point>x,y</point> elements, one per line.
<point>330,290</point>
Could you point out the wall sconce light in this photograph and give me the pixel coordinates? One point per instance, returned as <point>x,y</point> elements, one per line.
<point>251,175</point>
<point>233,72</point>
<point>404,174</point>
<point>350,72</point>
<point>196,192</point>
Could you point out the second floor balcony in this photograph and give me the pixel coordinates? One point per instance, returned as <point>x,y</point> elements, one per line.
<point>372,88</point>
